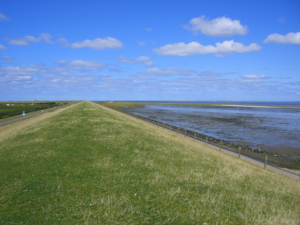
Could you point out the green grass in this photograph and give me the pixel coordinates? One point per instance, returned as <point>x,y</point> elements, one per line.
<point>119,105</point>
<point>91,165</point>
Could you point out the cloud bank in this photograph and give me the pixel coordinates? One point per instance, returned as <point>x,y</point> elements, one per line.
<point>219,27</point>
<point>193,48</point>
<point>290,38</point>
<point>96,44</point>
<point>37,78</point>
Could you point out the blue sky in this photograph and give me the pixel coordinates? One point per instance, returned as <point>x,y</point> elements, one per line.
<point>150,50</point>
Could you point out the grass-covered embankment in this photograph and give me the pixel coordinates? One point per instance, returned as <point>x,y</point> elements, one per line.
<point>91,165</point>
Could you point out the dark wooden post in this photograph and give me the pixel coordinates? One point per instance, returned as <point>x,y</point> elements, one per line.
<point>266,158</point>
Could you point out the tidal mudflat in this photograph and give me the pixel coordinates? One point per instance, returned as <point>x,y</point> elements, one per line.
<point>272,130</point>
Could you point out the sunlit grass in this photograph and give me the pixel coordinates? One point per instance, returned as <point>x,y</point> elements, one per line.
<point>91,165</point>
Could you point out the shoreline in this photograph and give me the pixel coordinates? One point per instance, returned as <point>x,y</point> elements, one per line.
<point>264,106</point>
<point>283,157</point>
<point>120,104</point>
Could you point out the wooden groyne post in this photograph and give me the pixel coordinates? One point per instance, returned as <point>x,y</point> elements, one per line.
<point>266,159</point>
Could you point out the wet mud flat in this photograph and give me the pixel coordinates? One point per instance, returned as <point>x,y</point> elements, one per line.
<point>258,131</point>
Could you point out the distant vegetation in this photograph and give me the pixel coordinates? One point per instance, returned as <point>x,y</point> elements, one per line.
<point>11,108</point>
<point>120,105</point>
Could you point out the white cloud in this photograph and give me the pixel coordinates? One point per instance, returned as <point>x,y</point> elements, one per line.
<point>9,60</point>
<point>3,17</point>
<point>281,19</point>
<point>2,47</point>
<point>24,41</point>
<point>142,43</point>
<point>148,29</point>
<point>64,42</point>
<point>96,44</point>
<point>46,37</point>
<point>32,39</point>
<point>82,65</point>
<point>209,74</point>
<point>168,72</point>
<point>193,48</point>
<point>144,59</point>
<point>254,76</point>
<point>18,41</point>
<point>125,60</point>
<point>220,26</point>
<point>290,38</point>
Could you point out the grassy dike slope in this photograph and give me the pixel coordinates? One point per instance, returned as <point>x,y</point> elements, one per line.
<point>91,165</point>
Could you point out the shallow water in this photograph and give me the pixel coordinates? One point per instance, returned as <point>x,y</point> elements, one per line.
<point>268,128</point>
